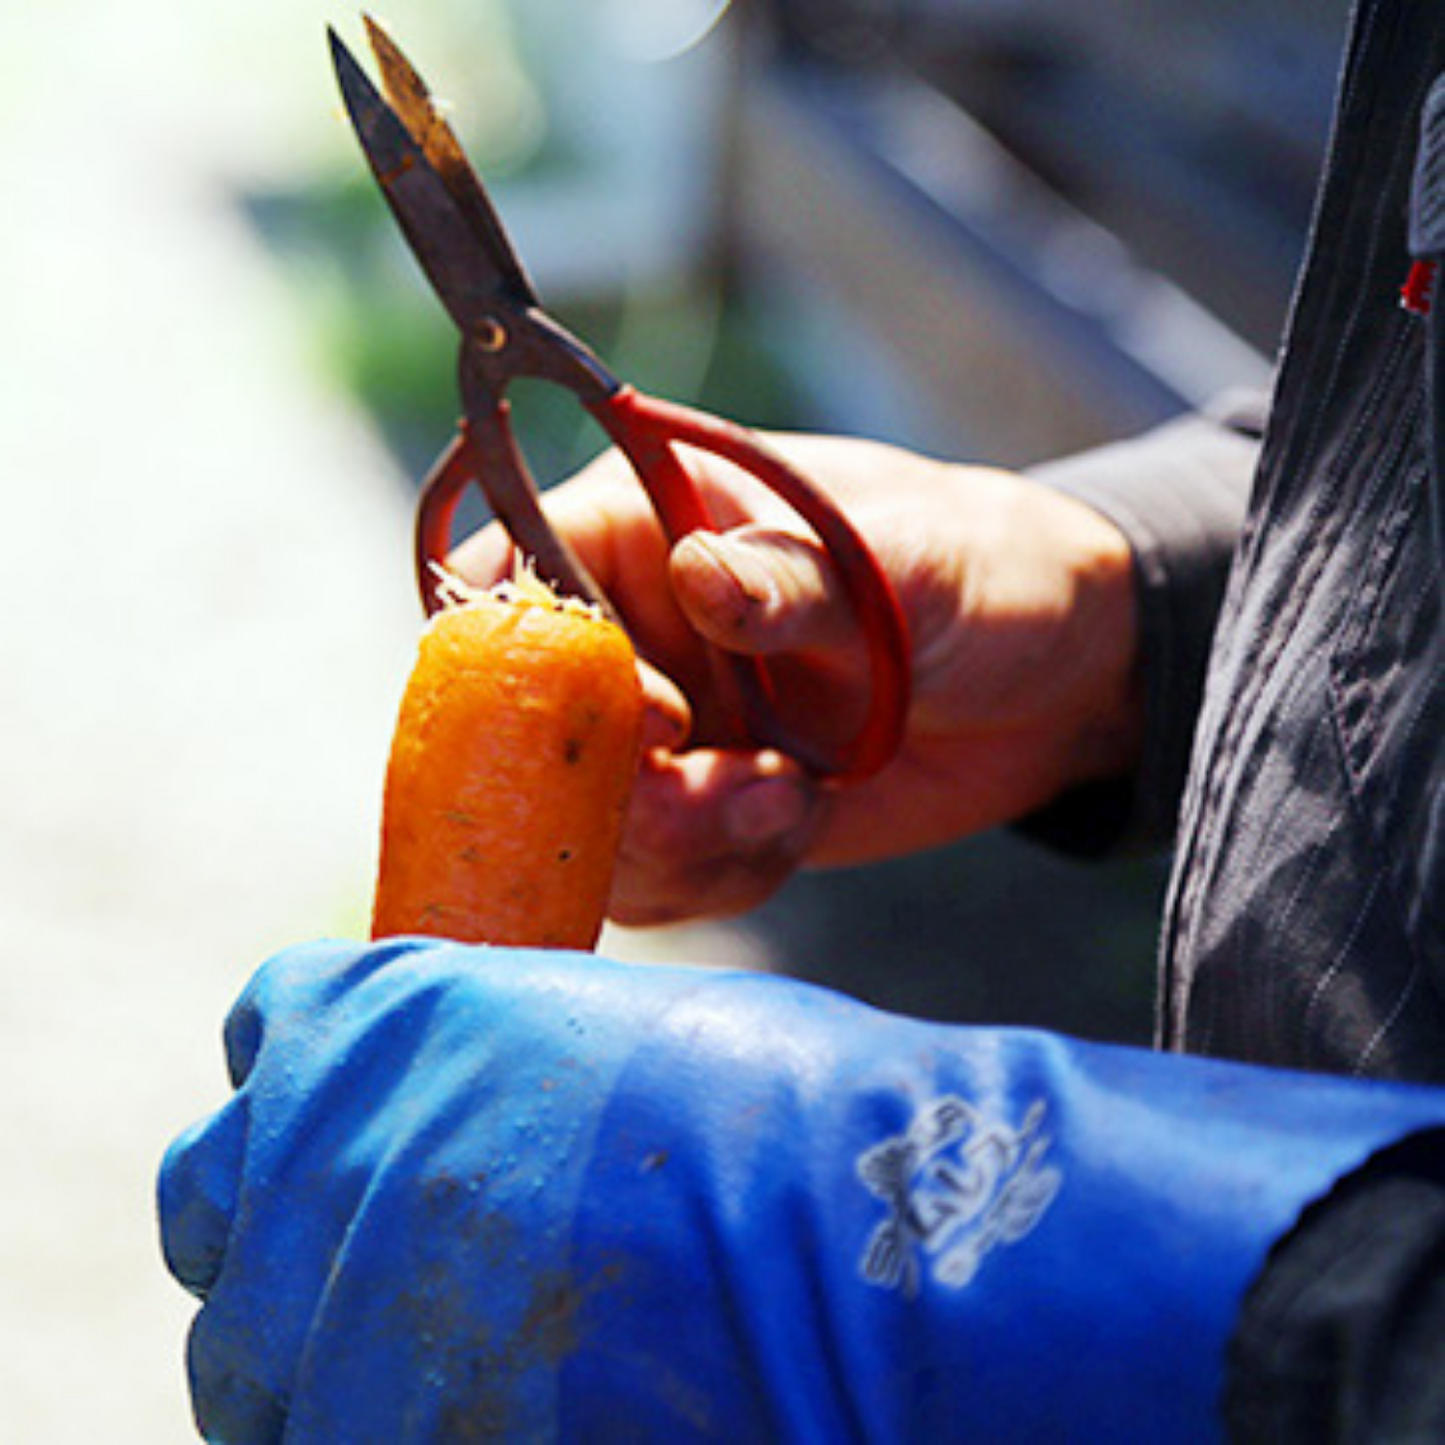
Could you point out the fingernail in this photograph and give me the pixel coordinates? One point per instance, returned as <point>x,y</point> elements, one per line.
<point>733,579</point>
<point>767,810</point>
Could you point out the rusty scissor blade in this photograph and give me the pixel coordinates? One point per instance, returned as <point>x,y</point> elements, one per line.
<point>461,265</point>
<point>417,108</point>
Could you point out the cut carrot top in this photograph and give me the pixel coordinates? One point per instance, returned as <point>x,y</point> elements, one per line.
<point>510,769</point>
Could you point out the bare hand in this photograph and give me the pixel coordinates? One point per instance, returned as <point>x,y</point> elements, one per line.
<point>1020,604</point>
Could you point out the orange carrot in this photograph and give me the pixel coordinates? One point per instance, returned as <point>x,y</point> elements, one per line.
<point>509,774</point>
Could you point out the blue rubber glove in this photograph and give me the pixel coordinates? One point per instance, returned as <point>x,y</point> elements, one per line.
<point>487,1193</point>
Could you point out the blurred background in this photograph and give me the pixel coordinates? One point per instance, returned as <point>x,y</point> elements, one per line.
<point>992,229</point>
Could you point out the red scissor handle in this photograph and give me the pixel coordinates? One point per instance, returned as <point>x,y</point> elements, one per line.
<point>647,429</point>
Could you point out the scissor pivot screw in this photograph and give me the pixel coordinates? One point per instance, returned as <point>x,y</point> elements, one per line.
<point>491,335</point>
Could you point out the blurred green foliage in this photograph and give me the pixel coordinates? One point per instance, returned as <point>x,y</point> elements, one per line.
<point>380,335</point>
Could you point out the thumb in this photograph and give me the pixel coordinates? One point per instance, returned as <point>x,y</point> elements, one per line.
<point>759,591</point>
<point>199,1186</point>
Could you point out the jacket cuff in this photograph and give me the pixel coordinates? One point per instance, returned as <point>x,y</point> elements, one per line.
<point>1179,494</point>
<point>1339,1337</point>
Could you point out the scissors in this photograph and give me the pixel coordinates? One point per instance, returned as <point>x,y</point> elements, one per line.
<point>454,231</point>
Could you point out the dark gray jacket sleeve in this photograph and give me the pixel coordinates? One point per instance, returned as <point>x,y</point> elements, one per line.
<point>1179,494</point>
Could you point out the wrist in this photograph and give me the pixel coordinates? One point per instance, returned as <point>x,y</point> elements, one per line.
<point>1098,651</point>
<point>1107,608</point>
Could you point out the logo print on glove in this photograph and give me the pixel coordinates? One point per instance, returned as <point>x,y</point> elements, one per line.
<point>957,1185</point>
